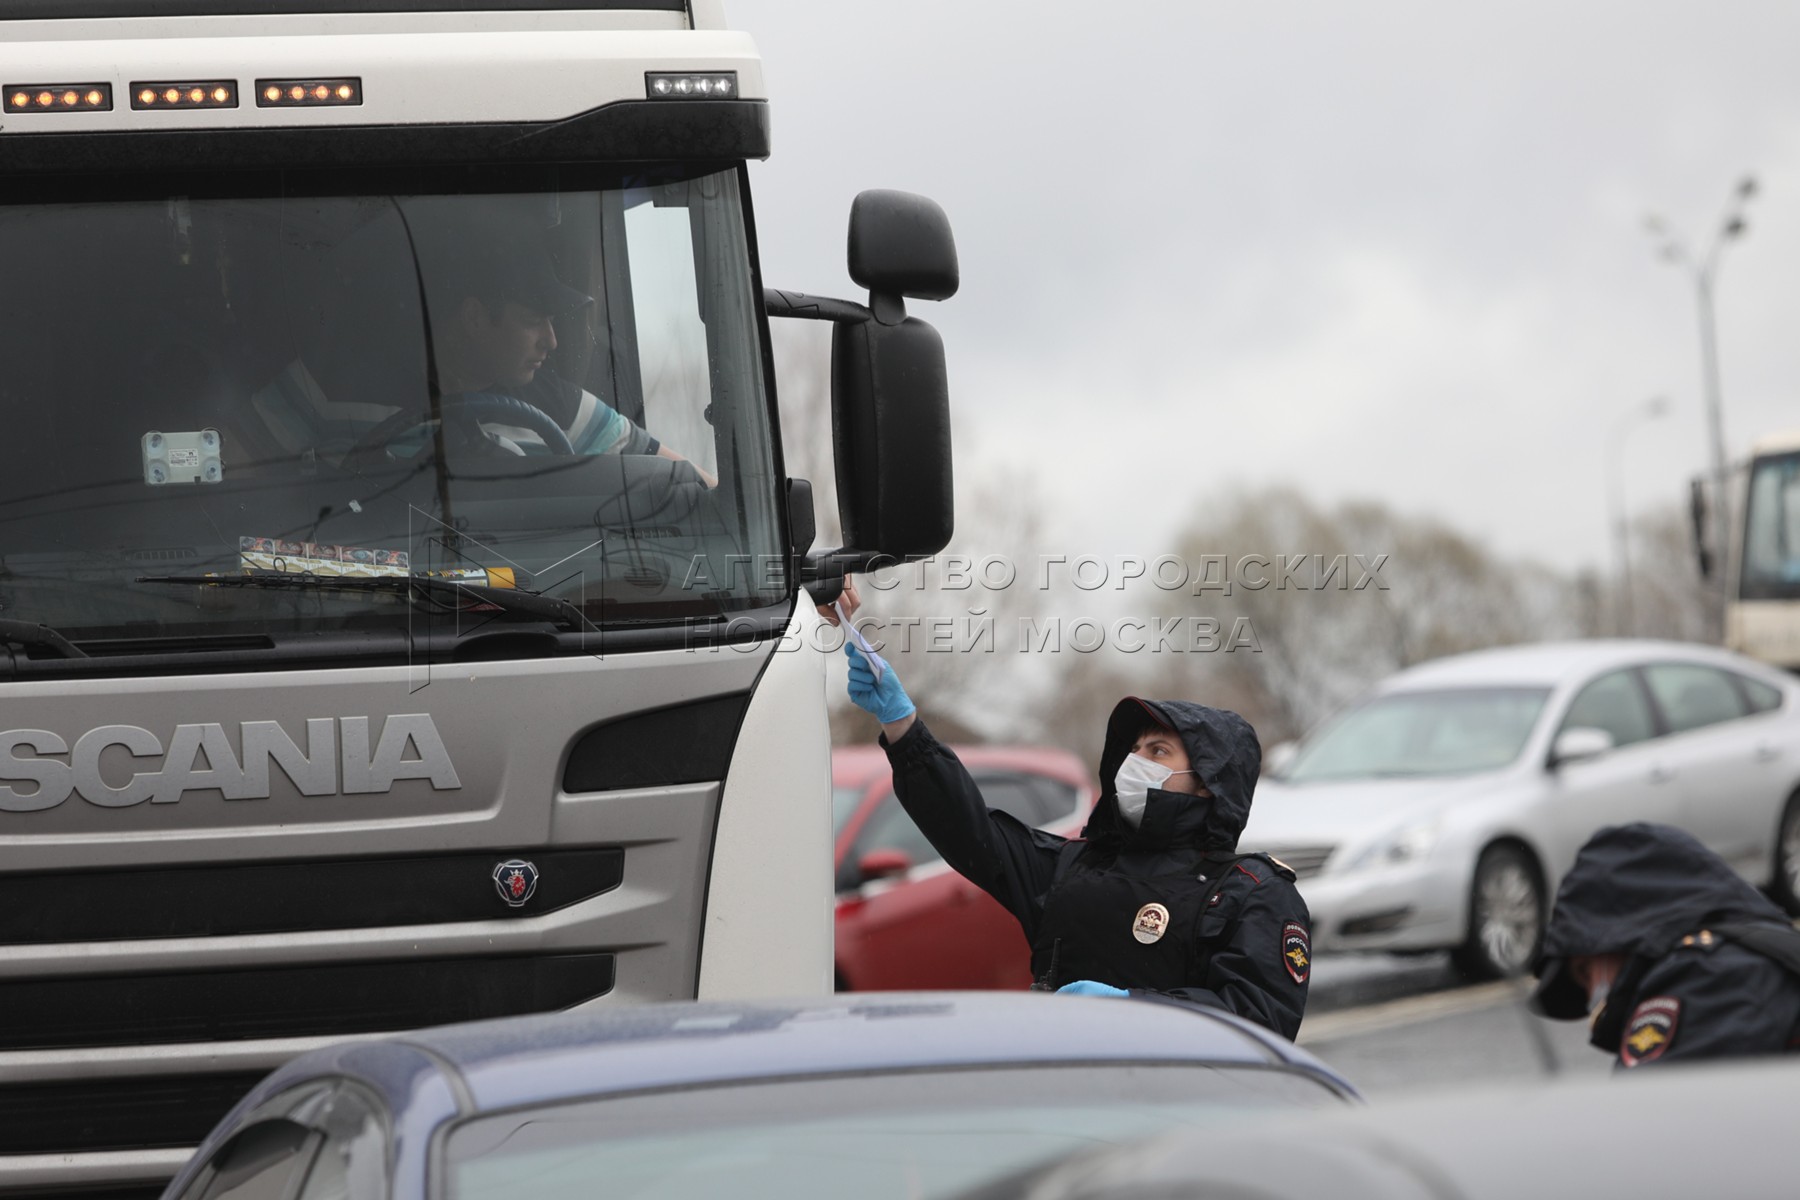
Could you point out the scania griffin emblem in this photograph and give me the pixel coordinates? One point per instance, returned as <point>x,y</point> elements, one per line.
<point>516,881</point>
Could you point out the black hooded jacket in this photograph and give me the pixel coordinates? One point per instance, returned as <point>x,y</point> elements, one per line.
<point>1232,930</point>
<point>1690,986</point>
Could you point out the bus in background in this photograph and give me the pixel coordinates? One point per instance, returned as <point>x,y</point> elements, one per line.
<point>395,553</point>
<point>1762,616</point>
<point>1761,569</point>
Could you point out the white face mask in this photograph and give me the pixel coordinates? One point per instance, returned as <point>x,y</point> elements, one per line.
<point>1135,777</point>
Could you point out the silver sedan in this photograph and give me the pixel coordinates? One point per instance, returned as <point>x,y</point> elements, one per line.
<point>1441,810</point>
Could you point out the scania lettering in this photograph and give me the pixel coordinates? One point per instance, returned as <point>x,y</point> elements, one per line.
<point>200,758</point>
<point>391,417</point>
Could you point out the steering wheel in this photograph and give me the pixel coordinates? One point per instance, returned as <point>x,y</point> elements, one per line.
<point>467,410</point>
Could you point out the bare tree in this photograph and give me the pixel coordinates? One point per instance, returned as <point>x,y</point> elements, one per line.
<point>1377,591</point>
<point>1668,597</point>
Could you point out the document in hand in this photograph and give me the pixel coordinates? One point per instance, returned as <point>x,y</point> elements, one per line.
<point>876,663</point>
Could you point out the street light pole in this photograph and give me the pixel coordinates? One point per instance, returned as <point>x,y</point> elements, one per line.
<point>1654,407</point>
<point>1705,274</point>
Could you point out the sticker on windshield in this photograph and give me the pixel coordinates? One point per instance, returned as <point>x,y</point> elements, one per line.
<point>1296,951</point>
<point>311,558</point>
<point>1650,1031</point>
<point>495,577</point>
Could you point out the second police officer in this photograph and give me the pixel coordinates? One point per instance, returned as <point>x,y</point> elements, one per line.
<point>1669,953</point>
<point>1153,901</point>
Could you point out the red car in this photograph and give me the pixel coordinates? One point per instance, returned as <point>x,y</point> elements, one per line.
<point>905,920</point>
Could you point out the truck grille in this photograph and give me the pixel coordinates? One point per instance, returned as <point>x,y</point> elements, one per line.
<point>284,897</point>
<point>116,1114</point>
<point>1305,861</point>
<point>282,1002</point>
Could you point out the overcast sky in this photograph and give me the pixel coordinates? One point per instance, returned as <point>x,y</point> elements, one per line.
<point>1384,250</point>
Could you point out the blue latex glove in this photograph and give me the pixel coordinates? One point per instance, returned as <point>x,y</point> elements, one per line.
<point>1087,987</point>
<point>886,700</point>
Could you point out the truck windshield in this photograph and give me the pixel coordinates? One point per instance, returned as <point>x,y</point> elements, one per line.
<point>543,379</point>
<point>1772,531</point>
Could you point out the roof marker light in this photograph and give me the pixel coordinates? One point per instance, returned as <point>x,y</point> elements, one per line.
<point>58,97</point>
<point>690,85</point>
<point>190,93</point>
<point>307,93</point>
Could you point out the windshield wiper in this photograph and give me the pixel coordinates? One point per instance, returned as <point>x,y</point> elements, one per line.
<point>27,634</point>
<point>512,601</point>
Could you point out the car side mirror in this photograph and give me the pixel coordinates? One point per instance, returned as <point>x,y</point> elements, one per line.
<point>883,864</point>
<point>1578,743</point>
<point>1280,757</point>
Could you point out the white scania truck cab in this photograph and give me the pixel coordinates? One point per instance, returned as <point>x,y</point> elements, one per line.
<point>404,612</point>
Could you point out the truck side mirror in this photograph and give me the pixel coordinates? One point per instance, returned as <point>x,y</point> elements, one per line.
<point>890,391</point>
<point>890,427</point>
<point>1280,757</point>
<point>900,245</point>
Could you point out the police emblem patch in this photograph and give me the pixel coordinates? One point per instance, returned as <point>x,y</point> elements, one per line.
<point>1296,951</point>
<point>516,880</point>
<point>1151,922</point>
<point>1650,1031</point>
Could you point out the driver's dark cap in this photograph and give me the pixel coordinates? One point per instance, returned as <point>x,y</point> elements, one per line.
<point>496,266</point>
<point>527,275</point>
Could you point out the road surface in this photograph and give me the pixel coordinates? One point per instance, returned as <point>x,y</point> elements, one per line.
<point>1394,1024</point>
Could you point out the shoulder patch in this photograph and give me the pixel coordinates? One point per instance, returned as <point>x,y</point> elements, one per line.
<point>1288,873</point>
<point>1296,951</point>
<point>1651,1030</point>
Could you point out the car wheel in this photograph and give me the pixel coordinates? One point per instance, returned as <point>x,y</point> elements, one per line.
<point>1787,857</point>
<point>1506,915</point>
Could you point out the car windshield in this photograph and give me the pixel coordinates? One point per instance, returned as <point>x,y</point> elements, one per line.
<point>911,1135</point>
<point>1772,531</point>
<point>1451,731</point>
<point>484,377</point>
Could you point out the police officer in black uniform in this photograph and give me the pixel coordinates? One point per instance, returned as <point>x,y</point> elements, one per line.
<point>1669,952</point>
<point>1154,901</point>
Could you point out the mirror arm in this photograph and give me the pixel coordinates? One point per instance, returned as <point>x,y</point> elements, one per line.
<point>828,566</point>
<point>888,310</point>
<point>883,309</point>
<point>802,307</point>
<point>823,572</point>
